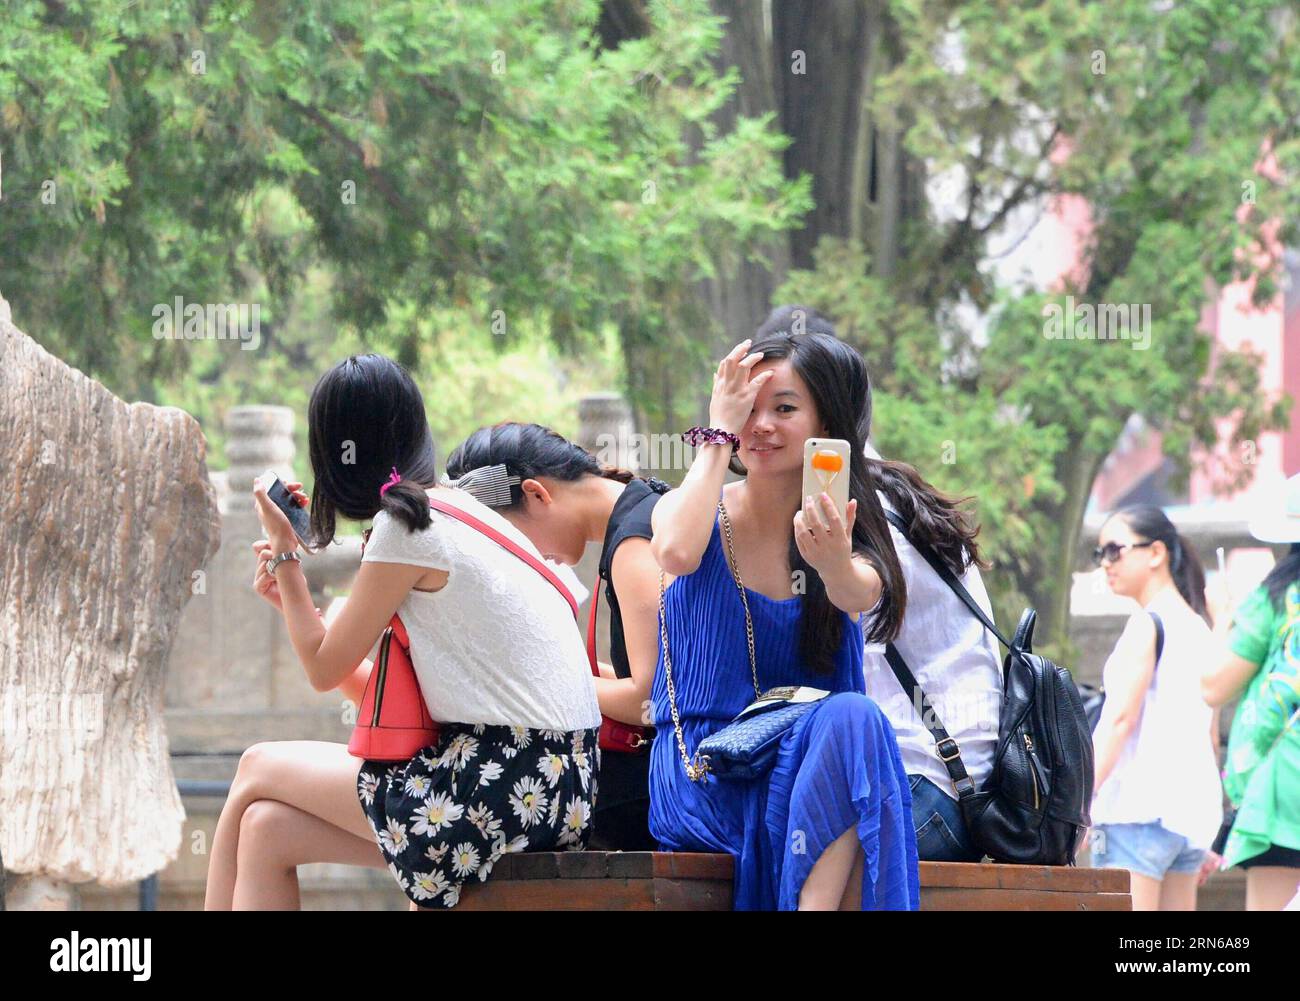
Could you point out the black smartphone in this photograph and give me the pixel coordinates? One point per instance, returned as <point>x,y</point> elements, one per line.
<point>282,499</point>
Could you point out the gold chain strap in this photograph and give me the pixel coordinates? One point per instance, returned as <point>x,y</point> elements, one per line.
<point>695,768</point>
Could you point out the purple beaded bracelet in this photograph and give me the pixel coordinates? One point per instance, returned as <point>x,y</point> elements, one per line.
<point>697,436</point>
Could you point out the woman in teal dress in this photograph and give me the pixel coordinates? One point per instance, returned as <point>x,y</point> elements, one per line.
<point>830,826</point>
<point>1262,764</point>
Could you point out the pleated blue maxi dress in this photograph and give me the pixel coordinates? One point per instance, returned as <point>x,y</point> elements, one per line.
<point>838,768</point>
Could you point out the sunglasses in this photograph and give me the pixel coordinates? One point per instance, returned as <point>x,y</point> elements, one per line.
<point>1112,551</point>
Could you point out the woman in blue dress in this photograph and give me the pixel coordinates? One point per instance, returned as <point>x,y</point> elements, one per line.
<point>830,826</point>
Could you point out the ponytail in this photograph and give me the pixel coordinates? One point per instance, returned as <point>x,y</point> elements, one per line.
<point>527,451</point>
<point>408,502</point>
<point>617,473</point>
<point>1151,523</point>
<point>1189,576</point>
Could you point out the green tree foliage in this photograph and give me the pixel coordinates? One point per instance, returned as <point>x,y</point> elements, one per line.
<point>1178,125</point>
<point>393,175</point>
<point>532,171</point>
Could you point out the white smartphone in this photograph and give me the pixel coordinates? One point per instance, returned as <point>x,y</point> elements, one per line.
<point>826,470</point>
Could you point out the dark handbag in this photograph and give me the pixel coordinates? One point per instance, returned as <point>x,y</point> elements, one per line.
<point>1221,839</point>
<point>746,747</point>
<point>1094,697</point>
<point>1036,803</point>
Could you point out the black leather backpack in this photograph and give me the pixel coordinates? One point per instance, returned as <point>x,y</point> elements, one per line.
<point>1034,807</point>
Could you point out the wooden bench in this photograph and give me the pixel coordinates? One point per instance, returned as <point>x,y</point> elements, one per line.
<point>669,881</point>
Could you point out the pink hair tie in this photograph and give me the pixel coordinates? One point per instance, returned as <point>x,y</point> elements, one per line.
<point>392,482</point>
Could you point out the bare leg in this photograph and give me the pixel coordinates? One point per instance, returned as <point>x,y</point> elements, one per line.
<point>1145,891</point>
<point>1271,887</point>
<point>317,777</point>
<point>274,839</point>
<point>1178,891</point>
<point>824,888</point>
<point>852,899</point>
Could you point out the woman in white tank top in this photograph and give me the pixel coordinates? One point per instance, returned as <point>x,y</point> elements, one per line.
<point>1158,800</point>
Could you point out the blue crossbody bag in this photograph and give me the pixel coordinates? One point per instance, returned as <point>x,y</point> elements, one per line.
<point>746,747</point>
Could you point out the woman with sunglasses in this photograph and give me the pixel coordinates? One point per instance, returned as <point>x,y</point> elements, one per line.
<point>1158,801</point>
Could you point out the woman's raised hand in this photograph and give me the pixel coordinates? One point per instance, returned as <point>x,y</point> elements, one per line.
<point>733,389</point>
<point>274,523</point>
<point>263,583</point>
<point>824,539</point>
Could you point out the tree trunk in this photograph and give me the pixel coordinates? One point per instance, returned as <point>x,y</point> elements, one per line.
<point>739,301</point>
<point>864,184</point>
<point>106,515</point>
<point>1050,586</point>
<point>732,303</point>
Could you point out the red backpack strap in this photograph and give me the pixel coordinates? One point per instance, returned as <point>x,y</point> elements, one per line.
<point>591,628</point>
<point>399,632</point>
<point>507,543</point>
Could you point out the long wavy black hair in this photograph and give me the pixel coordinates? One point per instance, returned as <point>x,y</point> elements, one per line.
<point>1284,573</point>
<point>836,376</point>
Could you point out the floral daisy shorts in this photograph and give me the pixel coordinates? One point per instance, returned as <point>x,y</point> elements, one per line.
<point>480,792</point>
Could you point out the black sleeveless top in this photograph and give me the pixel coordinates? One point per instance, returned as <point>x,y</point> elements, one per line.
<point>630,519</point>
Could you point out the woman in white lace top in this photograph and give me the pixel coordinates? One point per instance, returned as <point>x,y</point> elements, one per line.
<point>495,648</point>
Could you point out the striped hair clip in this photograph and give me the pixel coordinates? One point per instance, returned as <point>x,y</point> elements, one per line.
<point>489,485</point>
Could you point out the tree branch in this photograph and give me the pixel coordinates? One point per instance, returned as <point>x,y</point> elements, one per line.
<point>374,173</point>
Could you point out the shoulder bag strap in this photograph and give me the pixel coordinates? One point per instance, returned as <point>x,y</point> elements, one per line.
<point>947,576</point>
<point>1160,645</point>
<point>591,627</point>
<point>507,543</point>
<point>949,752</point>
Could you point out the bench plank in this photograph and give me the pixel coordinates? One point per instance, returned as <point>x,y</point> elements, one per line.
<point>603,894</point>
<point>692,865</point>
<point>689,881</point>
<point>946,898</point>
<point>1024,877</point>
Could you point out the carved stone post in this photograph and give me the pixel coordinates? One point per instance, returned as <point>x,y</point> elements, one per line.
<point>235,678</point>
<point>606,429</point>
<point>106,518</point>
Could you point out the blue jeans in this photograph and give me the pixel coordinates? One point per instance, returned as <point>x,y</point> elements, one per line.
<point>940,830</point>
<point>1147,849</point>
